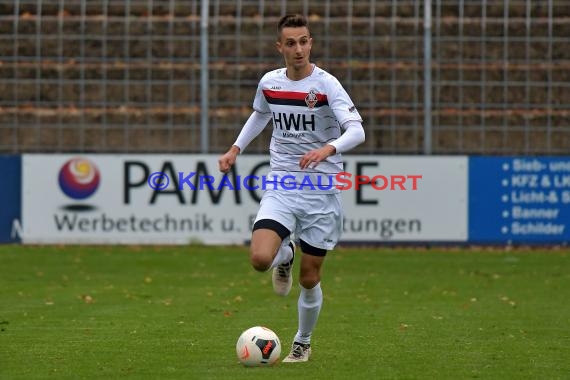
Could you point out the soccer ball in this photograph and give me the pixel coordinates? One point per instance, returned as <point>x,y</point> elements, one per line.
<point>258,346</point>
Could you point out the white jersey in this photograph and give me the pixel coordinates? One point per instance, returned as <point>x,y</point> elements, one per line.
<point>307,114</point>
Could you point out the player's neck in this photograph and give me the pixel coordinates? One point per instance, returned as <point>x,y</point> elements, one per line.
<point>301,73</point>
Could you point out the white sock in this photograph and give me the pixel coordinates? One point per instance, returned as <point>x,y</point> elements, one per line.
<point>284,254</point>
<point>310,302</point>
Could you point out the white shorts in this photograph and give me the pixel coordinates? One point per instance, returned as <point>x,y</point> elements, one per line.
<point>314,218</point>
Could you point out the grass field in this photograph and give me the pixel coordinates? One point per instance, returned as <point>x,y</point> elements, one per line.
<point>176,313</point>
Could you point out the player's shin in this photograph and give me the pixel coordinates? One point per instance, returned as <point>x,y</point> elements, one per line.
<point>310,302</point>
<point>284,254</point>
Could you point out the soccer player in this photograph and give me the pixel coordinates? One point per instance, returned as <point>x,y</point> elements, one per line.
<point>314,121</point>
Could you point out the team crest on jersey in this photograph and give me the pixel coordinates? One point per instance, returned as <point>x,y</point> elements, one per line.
<point>311,98</point>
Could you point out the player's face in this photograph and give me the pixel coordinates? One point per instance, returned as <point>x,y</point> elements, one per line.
<point>295,46</point>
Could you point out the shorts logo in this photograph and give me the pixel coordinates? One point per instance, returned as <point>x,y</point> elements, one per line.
<point>311,98</point>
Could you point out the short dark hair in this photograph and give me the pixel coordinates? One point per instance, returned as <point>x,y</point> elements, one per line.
<point>292,21</point>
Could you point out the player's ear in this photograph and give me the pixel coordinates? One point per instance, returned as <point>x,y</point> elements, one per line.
<point>278,46</point>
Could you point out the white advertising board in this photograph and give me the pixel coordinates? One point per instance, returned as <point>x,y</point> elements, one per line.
<point>109,199</point>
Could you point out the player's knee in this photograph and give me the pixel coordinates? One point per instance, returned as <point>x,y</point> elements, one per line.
<point>259,260</point>
<point>310,280</point>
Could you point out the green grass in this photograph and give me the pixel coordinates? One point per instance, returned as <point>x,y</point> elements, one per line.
<point>176,313</point>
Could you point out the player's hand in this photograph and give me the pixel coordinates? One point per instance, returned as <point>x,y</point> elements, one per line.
<point>228,160</point>
<point>312,158</point>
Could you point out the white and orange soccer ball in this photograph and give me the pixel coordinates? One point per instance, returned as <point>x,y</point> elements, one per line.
<point>258,346</point>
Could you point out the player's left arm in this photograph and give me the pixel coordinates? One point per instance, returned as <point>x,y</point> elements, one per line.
<point>353,136</point>
<point>350,120</point>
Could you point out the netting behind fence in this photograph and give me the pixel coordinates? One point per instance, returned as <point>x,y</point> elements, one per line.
<point>124,76</point>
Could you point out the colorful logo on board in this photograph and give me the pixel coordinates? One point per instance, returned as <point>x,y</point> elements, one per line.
<point>79,178</point>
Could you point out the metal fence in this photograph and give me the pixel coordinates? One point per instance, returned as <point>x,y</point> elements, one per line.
<point>124,76</point>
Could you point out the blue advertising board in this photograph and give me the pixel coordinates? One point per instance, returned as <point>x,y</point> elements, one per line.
<point>519,200</point>
<point>10,196</point>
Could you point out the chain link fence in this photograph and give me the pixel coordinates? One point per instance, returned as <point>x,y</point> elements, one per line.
<point>124,76</point>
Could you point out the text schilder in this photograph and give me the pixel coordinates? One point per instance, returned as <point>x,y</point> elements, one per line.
<point>341,181</point>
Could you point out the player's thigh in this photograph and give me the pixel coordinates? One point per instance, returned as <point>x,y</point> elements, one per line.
<point>264,245</point>
<point>273,225</point>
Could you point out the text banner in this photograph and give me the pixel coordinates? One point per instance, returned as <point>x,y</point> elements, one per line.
<point>108,199</point>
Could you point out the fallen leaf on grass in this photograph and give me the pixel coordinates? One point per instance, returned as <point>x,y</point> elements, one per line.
<point>167,302</point>
<point>508,301</point>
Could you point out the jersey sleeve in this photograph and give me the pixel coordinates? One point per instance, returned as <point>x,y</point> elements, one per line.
<point>340,103</point>
<point>259,102</point>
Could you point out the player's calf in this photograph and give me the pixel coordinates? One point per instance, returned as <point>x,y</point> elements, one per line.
<point>281,277</point>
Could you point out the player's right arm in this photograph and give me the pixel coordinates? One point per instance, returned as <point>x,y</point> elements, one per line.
<point>251,129</point>
<point>226,161</point>
<point>254,125</point>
